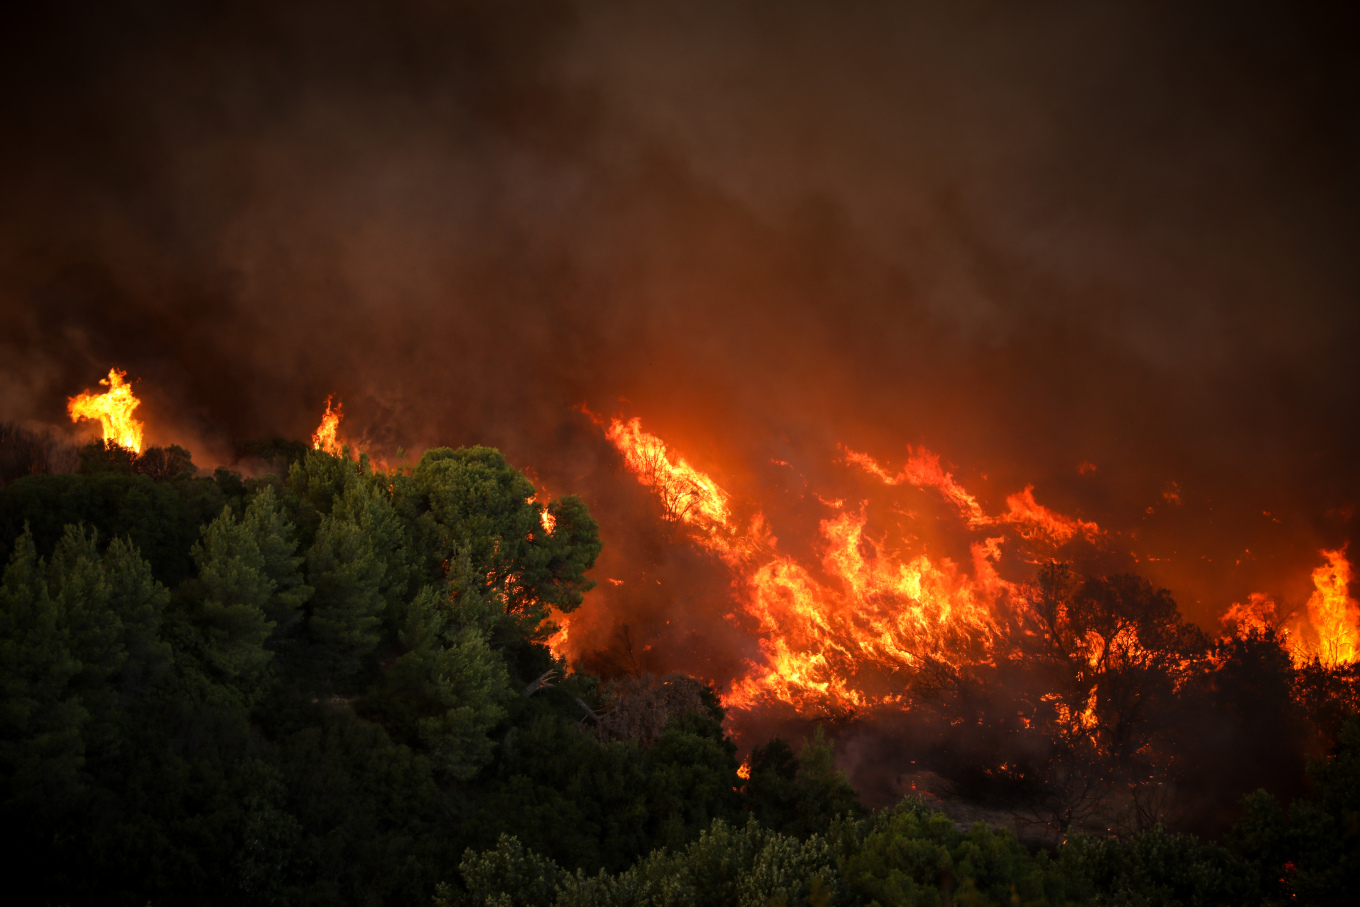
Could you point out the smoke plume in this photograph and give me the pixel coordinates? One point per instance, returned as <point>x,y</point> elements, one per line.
<point>1107,252</point>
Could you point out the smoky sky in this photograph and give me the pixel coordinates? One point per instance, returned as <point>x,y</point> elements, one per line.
<point>1027,237</point>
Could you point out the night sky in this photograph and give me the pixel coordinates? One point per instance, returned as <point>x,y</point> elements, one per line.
<point>1027,238</point>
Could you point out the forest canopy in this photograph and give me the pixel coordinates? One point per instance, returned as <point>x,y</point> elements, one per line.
<point>330,684</point>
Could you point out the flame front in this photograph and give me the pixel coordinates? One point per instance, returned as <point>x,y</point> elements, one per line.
<point>113,409</point>
<point>325,437</point>
<point>845,633</point>
<point>850,643</point>
<point>854,629</point>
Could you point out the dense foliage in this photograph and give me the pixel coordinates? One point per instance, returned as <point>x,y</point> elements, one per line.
<point>319,688</point>
<point>331,687</point>
<point>912,856</point>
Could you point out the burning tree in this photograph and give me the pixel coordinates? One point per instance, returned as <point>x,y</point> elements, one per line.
<point>113,409</point>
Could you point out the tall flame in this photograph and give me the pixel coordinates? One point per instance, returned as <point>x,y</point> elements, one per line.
<point>324,438</point>
<point>113,409</point>
<point>1332,612</point>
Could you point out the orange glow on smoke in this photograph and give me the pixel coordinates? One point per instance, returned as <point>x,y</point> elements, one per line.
<point>324,438</point>
<point>113,409</point>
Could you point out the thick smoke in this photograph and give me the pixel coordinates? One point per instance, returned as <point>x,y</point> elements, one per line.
<point>1026,238</point>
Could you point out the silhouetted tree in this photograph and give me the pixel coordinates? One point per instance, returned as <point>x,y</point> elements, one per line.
<point>472,516</point>
<point>26,453</point>
<point>1114,654</point>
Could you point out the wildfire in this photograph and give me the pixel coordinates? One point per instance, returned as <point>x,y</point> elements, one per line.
<point>853,628</point>
<point>1257,614</point>
<point>113,409</point>
<point>1334,615</point>
<point>557,640</point>
<point>324,438</point>
<point>1329,628</point>
<point>686,493</point>
<point>846,632</point>
<point>1030,518</point>
<point>923,470</point>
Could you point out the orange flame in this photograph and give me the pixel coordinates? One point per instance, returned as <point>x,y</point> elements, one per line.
<point>113,409</point>
<point>1329,628</point>
<point>1334,615</point>
<point>688,495</point>
<point>557,641</point>
<point>1031,518</point>
<point>1085,720</point>
<point>848,639</point>
<point>850,643</point>
<point>1257,614</point>
<point>852,630</point>
<point>923,470</point>
<point>324,438</point>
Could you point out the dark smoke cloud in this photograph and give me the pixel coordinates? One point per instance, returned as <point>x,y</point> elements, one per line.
<point>1025,237</point>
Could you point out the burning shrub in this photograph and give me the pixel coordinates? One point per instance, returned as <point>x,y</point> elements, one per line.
<point>1103,663</point>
